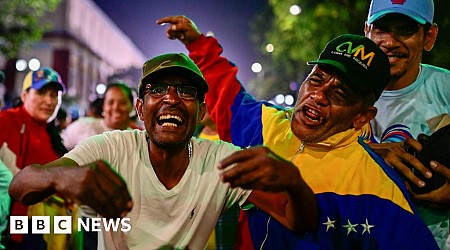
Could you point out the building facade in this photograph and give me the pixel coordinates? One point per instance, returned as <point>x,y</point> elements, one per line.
<point>85,47</point>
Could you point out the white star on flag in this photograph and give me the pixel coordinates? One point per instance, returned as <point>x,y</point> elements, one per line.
<point>350,227</point>
<point>329,223</point>
<point>366,227</point>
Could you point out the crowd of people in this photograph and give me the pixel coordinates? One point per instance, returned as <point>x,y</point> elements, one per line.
<point>214,167</point>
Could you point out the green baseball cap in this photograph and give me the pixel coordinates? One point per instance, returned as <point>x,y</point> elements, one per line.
<point>177,64</point>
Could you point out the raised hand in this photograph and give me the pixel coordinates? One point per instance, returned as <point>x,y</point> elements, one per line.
<point>181,28</point>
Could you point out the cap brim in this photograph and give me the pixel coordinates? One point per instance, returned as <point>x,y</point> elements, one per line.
<point>40,84</point>
<point>197,81</point>
<point>405,12</point>
<point>341,68</point>
<point>333,63</point>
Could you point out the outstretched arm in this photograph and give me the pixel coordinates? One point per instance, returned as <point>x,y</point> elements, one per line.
<point>229,105</point>
<point>95,185</point>
<point>278,187</point>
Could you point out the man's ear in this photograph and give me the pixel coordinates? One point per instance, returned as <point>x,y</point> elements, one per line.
<point>364,117</point>
<point>139,109</point>
<point>201,113</point>
<point>23,96</point>
<point>366,28</point>
<point>430,37</point>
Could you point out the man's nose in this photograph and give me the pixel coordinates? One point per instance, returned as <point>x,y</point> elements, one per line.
<point>320,96</point>
<point>388,40</point>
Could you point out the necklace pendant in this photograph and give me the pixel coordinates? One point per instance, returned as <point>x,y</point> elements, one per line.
<point>190,150</point>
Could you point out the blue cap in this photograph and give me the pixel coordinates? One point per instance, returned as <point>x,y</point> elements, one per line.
<point>421,11</point>
<point>41,77</point>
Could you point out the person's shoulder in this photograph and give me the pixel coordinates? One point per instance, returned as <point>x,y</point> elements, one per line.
<point>10,116</point>
<point>435,71</point>
<point>11,112</point>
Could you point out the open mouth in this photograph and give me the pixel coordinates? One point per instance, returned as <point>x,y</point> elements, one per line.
<point>169,121</point>
<point>395,56</point>
<point>313,115</point>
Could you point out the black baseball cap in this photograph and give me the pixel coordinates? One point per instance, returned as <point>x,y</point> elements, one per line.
<point>363,64</point>
<point>172,64</point>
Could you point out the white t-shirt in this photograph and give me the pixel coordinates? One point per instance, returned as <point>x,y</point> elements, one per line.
<point>81,129</point>
<point>180,218</point>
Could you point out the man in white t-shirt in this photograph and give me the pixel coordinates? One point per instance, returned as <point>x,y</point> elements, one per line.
<point>171,186</point>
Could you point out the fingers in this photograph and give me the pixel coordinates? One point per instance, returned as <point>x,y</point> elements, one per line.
<point>411,144</point>
<point>113,199</point>
<point>441,169</point>
<point>171,20</point>
<point>98,186</point>
<point>410,166</point>
<point>236,166</point>
<point>176,23</point>
<point>439,197</point>
<point>181,28</point>
<point>396,156</point>
<point>259,168</point>
<point>246,175</point>
<point>238,156</point>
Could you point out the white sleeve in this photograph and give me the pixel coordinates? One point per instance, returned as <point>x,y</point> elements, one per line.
<point>89,150</point>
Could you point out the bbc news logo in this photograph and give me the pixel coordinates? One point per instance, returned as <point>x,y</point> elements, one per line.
<point>63,224</point>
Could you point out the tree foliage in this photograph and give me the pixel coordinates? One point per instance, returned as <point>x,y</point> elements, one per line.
<point>20,23</point>
<point>300,38</point>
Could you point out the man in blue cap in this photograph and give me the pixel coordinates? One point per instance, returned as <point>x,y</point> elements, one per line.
<point>415,94</point>
<point>25,139</point>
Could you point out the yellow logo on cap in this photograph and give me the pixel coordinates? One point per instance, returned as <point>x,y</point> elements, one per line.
<point>356,51</point>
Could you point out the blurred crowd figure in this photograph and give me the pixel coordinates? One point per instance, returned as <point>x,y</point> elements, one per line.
<point>104,114</point>
<point>27,137</point>
<point>95,108</point>
<point>36,129</point>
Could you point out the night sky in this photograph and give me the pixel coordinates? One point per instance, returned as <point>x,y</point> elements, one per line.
<point>229,20</point>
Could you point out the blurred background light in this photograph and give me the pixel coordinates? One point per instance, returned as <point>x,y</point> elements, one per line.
<point>21,65</point>
<point>34,64</point>
<point>295,10</point>
<point>256,67</point>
